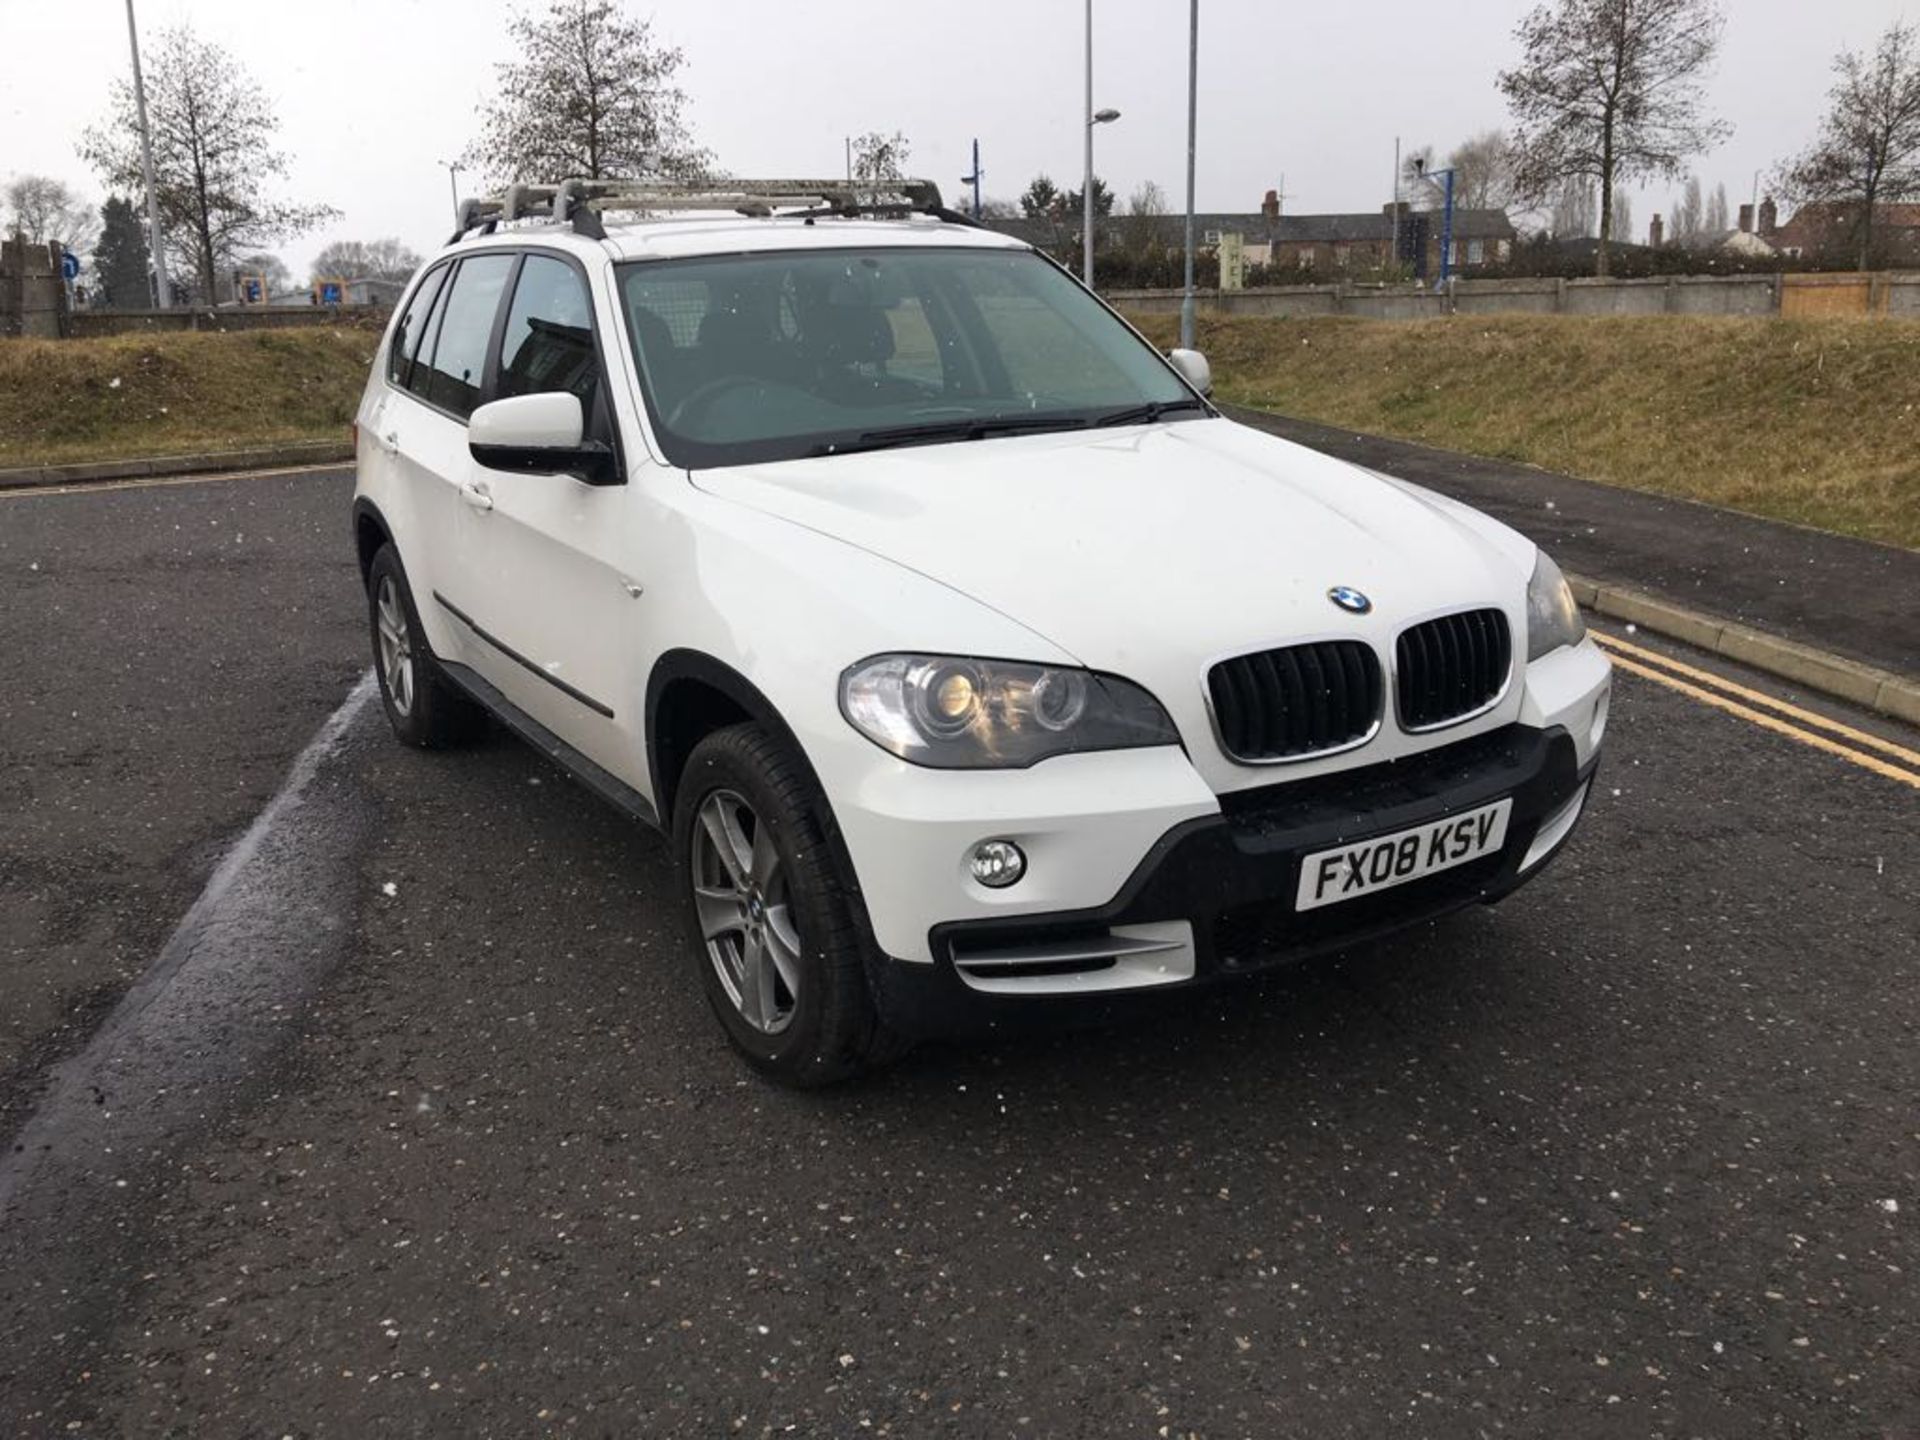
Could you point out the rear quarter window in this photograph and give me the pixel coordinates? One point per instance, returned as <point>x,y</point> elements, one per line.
<point>412,328</point>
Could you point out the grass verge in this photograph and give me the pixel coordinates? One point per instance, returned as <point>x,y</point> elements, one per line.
<point>137,395</point>
<point>1812,421</point>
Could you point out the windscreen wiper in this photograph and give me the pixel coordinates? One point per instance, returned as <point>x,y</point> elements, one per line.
<point>978,428</point>
<point>1148,413</point>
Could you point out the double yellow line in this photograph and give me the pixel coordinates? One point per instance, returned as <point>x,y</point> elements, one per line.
<point>1768,713</point>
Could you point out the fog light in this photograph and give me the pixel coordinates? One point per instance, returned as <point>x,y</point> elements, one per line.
<point>997,863</point>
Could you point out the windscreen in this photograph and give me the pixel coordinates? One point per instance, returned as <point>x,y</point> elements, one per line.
<point>785,354</point>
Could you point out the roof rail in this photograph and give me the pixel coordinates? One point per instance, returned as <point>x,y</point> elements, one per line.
<point>581,203</point>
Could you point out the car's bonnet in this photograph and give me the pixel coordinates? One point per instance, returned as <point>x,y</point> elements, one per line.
<point>1138,548</point>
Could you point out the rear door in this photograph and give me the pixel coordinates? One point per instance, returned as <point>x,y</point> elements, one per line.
<point>549,555</point>
<point>394,472</point>
<point>428,427</point>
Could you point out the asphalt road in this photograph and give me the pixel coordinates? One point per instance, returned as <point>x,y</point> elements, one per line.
<point>457,1150</point>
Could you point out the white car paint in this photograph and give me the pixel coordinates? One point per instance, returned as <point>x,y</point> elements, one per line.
<point>1150,551</point>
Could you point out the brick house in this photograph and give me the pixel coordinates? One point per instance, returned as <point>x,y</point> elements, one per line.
<point>1830,231</point>
<point>1326,245</point>
<point>1329,245</point>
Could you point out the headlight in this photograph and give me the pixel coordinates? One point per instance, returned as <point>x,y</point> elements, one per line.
<point>1553,619</point>
<point>955,713</point>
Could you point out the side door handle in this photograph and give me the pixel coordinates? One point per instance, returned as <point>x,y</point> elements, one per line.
<point>477,495</point>
<point>391,440</point>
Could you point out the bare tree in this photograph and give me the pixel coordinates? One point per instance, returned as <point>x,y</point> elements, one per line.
<point>385,259</point>
<point>1144,229</point>
<point>1868,151</point>
<point>1622,213</point>
<point>1483,172</point>
<point>1719,216</point>
<point>880,159</point>
<point>1573,211</point>
<point>1689,214</point>
<point>45,210</point>
<point>592,95</point>
<point>272,270</point>
<point>1609,91</point>
<point>213,157</point>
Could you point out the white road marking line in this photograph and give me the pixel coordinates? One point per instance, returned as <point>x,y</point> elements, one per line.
<point>68,1102</point>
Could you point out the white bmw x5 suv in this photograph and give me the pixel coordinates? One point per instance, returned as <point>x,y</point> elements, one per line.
<point>970,659</point>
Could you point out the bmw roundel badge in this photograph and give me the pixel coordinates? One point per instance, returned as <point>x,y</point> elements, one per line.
<point>1349,599</point>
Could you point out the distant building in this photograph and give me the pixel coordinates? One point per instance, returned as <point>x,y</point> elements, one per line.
<point>1326,245</point>
<point>1830,231</point>
<point>384,293</point>
<point>1364,241</point>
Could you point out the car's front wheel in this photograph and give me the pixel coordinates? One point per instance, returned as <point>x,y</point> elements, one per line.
<point>779,952</point>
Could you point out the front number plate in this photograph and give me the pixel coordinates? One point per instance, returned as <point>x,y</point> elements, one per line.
<point>1329,876</point>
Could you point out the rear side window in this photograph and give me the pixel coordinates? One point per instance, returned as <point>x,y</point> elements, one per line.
<point>413,325</point>
<point>548,344</point>
<point>460,351</point>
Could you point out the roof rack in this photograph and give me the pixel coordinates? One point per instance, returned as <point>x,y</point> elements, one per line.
<point>581,203</point>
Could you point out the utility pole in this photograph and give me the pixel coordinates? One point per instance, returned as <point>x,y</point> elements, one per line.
<point>1393,255</point>
<point>1435,177</point>
<point>1086,182</point>
<point>162,291</point>
<point>974,178</point>
<point>1187,327</point>
<point>1094,117</point>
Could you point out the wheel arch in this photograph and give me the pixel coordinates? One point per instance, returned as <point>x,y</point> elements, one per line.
<point>370,532</point>
<point>690,694</point>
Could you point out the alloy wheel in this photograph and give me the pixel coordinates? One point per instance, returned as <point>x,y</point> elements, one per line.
<point>396,645</point>
<point>746,915</point>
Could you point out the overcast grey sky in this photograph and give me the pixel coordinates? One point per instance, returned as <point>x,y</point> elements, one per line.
<point>371,93</point>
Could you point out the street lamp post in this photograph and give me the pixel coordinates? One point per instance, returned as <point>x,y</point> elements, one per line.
<point>1094,117</point>
<point>1193,115</point>
<point>452,167</point>
<point>162,297</point>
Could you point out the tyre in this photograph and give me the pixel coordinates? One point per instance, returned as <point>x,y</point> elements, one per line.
<point>422,705</point>
<point>770,916</point>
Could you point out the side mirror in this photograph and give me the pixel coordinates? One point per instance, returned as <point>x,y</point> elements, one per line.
<point>539,435</point>
<point>1193,368</point>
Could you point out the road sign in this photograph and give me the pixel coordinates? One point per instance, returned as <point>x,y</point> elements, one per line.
<point>69,264</point>
<point>330,292</point>
<point>1233,262</point>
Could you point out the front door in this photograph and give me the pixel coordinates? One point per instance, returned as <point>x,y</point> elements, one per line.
<point>549,594</point>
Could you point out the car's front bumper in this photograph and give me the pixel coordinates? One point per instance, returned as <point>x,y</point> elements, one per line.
<point>1214,896</point>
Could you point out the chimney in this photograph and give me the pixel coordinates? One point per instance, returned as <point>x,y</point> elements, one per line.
<point>1270,207</point>
<point>1769,218</point>
<point>1746,219</point>
<point>1656,233</point>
